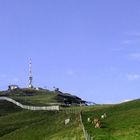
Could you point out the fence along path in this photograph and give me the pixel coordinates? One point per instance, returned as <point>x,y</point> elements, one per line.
<point>30,107</point>
<point>86,135</point>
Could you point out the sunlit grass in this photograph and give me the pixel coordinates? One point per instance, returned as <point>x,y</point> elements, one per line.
<point>122,122</point>
<point>39,125</point>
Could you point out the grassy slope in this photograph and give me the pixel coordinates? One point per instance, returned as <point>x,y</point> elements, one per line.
<point>7,108</point>
<point>34,97</point>
<point>36,100</point>
<point>40,97</point>
<point>122,122</point>
<point>37,125</point>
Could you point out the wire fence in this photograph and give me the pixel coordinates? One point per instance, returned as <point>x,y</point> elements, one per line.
<point>78,111</point>
<point>86,135</point>
<point>49,108</point>
<point>67,111</point>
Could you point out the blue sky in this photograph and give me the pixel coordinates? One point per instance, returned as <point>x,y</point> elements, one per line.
<point>88,48</point>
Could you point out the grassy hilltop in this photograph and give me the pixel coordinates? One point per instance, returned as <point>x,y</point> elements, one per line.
<point>42,97</point>
<point>122,121</point>
<point>18,124</point>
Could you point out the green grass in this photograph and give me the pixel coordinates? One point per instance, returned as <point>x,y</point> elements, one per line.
<point>7,108</point>
<point>38,125</point>
<point>36,99</point>
<point>40,97</point>
<point>122,122</point>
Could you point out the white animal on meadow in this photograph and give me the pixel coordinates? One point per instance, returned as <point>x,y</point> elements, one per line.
<point>103,116</point>
<point>88,119</point>
<point>67,121</point>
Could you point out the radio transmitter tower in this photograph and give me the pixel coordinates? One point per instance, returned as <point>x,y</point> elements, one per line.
<point>30,74</point>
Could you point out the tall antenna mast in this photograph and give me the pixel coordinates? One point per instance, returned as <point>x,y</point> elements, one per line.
<point>30,74</point>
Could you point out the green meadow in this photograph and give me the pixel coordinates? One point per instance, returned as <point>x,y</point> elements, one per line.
<point>17,124</point>
<point>122,122</point>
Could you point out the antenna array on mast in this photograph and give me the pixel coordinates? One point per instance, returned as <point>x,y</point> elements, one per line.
<point>30,75</point>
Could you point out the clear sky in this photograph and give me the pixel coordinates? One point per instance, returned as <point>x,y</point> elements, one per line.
<point>90,48</point>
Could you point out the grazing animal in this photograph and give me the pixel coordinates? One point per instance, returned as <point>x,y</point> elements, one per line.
<point>96,122</point>
<point>103,116</point>
<point>88,120</point>
<point>97,125</point>
<point>67,121</point>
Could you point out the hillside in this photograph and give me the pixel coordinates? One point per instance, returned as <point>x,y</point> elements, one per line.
<point>17,124</point>
<point>42,97</point>
<point>122,122</point>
